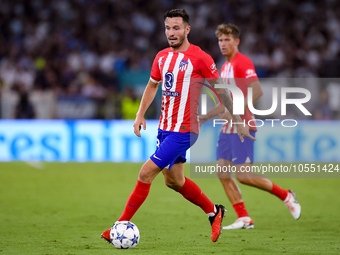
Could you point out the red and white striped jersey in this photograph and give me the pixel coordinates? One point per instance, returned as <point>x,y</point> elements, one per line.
<point>239,71</point>
<point>179,73</point>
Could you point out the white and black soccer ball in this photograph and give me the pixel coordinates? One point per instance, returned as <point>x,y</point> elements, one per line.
<point>124,235</point>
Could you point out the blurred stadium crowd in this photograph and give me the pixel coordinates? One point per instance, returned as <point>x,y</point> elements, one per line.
<point>68,58</point>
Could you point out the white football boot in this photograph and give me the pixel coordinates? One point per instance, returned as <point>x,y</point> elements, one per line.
<point>241,223</point>
<point>293,205</point>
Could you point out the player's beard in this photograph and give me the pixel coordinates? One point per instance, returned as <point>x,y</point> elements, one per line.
<point>177,45</point>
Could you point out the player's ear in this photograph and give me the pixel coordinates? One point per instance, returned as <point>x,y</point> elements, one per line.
<point>187,29</point>
<point>237,40</point>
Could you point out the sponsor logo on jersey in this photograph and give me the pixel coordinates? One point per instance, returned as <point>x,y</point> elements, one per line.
<point>213,68</point>
<point>183,65</point>
<point>250,73</point>
<point>168,80</point>
<point>170,93</point>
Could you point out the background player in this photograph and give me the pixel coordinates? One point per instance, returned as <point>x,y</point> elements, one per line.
<point>177,67</point>
<point>239,70</point>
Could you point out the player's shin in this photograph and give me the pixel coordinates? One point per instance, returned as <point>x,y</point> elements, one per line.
<point>136,199</point>
<point>194,194</point>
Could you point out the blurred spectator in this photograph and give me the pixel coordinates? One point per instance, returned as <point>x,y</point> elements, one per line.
<point>322,109</point>
<point>47,45</point>
<point>91,88</point>
<point>113,104</point>
<point>24,108</point>
<point>130,104</point>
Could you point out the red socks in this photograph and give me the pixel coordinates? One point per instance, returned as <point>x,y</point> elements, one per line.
<point>194,194</point>
<point>190,191</point>
<point>279,192</point>
<point>135,200</point>
<point>240,210</point>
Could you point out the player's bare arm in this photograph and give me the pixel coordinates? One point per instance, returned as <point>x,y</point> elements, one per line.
<point>257,93</point>
<point>226,115</point>
<point>217,110</point>
<point>220,109</point>
<point>147,98</point>
<point>242,130</point>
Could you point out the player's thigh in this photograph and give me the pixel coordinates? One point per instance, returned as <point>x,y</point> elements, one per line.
<point>148,172</point>
<point>242,153</point>
<point>243,171</point>
<point>225,167</point>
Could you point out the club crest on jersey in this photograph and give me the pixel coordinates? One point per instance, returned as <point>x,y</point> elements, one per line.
<point>168,80</point>
<point>183,65</point>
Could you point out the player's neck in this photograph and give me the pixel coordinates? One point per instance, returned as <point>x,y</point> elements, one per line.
<point>231,56</point>
<point>184,47</point>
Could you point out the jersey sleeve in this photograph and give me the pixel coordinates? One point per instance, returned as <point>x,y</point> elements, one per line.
<point>208,68</point>
<point>247,71</point>
<point>156,75</point>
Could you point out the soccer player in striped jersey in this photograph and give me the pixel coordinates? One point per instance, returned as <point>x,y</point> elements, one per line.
<point>178,67</point>
<point>239,70</point>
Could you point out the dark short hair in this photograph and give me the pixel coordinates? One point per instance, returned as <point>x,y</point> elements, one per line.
<point>177,13</point>
<point>228,29</point>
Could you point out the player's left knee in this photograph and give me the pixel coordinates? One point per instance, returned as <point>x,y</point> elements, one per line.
<point>172,184</point>
<point>244,179</point>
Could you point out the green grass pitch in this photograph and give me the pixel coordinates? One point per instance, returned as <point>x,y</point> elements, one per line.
<point>62,208</point>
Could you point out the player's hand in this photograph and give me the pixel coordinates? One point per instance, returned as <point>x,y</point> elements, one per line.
<point>226,115</point>
<point>243,131</point>
<point>202,119</point>
<point>139,122</point>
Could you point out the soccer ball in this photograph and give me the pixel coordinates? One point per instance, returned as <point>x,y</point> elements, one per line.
<point>124,235</point>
